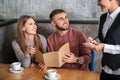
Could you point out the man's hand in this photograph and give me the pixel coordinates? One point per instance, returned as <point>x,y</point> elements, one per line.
<point>69,58</point>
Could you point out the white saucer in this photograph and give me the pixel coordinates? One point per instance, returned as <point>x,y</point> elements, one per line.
<point>56,78</point>
<point>16,71</point>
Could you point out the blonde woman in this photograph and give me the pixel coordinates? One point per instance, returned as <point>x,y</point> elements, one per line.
<point>28,41</point>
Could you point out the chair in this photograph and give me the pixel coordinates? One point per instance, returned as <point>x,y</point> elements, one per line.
<point>91,65</point>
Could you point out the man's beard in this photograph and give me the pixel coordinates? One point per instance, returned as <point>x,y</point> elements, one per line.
<point>61,29</point>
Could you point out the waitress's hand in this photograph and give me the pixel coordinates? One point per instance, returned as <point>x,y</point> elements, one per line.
<point>90,39</point>
<point>96,46</point>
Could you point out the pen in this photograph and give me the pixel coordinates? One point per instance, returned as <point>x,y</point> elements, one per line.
<point>95,38</point>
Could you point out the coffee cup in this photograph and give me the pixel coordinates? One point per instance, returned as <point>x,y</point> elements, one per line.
<point>51,73</point>
<point>16,66</point>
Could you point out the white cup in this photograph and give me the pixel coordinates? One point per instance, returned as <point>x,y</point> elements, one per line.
<point>51,73</point>
<point>16,66</point>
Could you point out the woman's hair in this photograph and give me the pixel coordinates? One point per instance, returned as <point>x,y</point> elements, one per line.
<point>20,38</point>
<point>118,2</point>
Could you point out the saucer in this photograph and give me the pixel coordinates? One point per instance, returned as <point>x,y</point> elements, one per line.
<point>16,71</point>
<point>56,77</point>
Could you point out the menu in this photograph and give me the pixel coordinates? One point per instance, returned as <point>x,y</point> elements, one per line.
<point>53,59</point>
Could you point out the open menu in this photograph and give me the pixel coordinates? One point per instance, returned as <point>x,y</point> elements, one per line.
<point>53,59</point>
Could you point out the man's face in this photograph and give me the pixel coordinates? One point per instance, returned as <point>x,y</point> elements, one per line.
<point>104,4</point>
<point>60,21</point>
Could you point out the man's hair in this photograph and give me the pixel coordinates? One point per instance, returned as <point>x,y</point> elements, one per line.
<point>54,12</point>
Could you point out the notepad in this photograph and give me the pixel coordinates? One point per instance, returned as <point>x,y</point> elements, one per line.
<point>88,44</point>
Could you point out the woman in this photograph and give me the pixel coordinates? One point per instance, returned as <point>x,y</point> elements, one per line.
<point>28,42</point>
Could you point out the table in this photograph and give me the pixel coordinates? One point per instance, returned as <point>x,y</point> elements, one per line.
<point>37,74</point>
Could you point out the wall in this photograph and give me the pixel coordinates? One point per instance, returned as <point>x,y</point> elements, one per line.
<point>76,9</point>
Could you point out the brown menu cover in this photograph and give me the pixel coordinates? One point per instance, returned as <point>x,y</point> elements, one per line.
<point>53,59</point>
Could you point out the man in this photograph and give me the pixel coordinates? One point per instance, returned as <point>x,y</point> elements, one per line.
<point>80,56</point>
<point>109,35</point>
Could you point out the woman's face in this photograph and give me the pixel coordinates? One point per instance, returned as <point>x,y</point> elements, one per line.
<point>30,27</point>
<point>104,4</point>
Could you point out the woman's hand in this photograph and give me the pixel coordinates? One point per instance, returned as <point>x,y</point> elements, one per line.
<point>93,45</point>
<point>33,65</point>
<point>30,50</point>
<point>90,39</point>
<point>42,66</point>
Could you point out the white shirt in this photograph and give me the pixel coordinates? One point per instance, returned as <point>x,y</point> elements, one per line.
<point>112,49</point>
